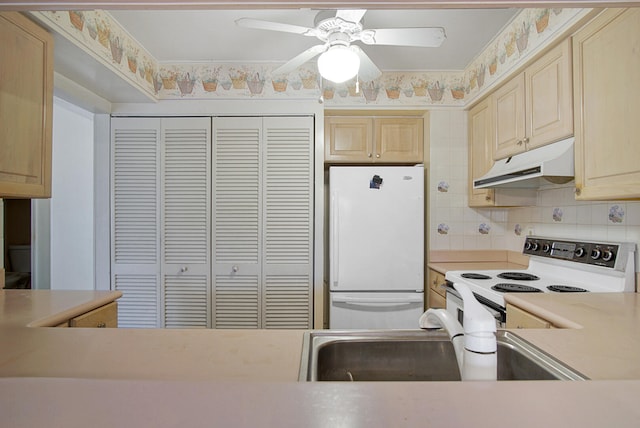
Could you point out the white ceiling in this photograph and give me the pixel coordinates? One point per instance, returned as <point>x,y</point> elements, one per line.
<point>211,35</point>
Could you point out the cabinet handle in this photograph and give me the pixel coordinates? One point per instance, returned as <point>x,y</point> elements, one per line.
<point>487,198</point>
<point>102,325</point>
<point>519,143</point>
<point>368,155</point>
<point>184,269</point>
<point>235,269</point>
<point>577,191</point>
<point>377,155</point>
<point>526,140</point>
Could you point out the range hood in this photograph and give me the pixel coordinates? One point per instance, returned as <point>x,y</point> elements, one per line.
<point>551,163</point>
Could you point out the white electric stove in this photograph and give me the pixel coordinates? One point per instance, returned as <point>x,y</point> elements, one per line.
<point>555,266</point>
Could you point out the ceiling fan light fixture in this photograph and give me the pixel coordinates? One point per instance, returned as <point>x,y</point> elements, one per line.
<point>338,64</point>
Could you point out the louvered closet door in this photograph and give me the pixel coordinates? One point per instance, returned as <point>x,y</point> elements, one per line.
<point>288,222</point>
<point>135,220</point>
<point>186,154</point>
<point>236,222</point>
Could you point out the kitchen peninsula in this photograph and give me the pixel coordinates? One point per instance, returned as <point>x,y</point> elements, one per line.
<point>135,377</point>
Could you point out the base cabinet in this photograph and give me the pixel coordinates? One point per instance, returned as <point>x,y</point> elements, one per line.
<point>436,293</point>
<point>105,316</point>
<point>519,318</point>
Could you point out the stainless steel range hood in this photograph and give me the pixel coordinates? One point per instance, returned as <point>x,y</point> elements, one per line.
<point>553,163</point>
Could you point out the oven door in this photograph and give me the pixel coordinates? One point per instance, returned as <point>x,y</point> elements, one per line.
<point>456,308</point>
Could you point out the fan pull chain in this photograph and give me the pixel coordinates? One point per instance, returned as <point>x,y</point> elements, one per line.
<point>357,84</point>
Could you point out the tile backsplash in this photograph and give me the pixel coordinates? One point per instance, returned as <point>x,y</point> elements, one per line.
<point>455,226</point>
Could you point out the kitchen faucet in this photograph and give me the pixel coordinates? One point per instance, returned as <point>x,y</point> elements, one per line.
<point>474,344</point>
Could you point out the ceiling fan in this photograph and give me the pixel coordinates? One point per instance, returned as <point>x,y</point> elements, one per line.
<point>339,59</point>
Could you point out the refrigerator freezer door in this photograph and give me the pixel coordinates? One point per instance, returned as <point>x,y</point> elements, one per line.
<point>376,228</point>
<point>375,310</point>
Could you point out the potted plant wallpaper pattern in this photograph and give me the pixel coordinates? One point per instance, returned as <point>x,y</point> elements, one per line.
<point>103,37</point>
<point>98,33</point>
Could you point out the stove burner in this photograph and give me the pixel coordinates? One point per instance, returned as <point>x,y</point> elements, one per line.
<point>475,276</point>
<point>566,289</point>
<point>507,287</point>
<point>518,276</point>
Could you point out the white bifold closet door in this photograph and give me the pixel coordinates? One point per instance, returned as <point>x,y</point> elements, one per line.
<point>222,239</point>
<point>135,220</point>
<point>263,222</point>
<point>185,217</point>
<point>160,221</point>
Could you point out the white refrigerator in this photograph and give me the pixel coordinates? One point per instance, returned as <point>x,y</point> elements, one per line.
<point>376,247</point>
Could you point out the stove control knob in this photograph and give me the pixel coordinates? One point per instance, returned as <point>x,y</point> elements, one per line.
<point>580,252</point>
<point>546,248</point>
<point>596,253</point>
<point>527,245</point>
<point>607,255</point>
<point>535,246</point>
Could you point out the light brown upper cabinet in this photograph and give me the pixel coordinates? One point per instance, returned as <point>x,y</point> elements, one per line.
<point>481,138</point>
<point>535,107</point>
<point>481,135</point>
<point>373,140</point>
<point>26,104</point>
<point>606,55</point>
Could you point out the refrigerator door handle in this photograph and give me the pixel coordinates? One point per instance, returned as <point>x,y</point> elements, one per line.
<point>334,240</point>
<point>378,301</point>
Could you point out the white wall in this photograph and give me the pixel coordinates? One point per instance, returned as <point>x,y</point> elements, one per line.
<point>71,220</point>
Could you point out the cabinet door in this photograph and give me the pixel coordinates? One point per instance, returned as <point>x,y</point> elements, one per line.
<point>549,97</point>
<point>237,222</point>
<point>437,295</point>
<point>287,269</point>
<point>398,140</point>
<point>348,139</point>
<point>518,318</point>
<point>103,317</point>
<point>481,137</point>
<point>135,219</point>
<point>185,214</point>
<point>263,222</point>
<point>509,118</point>
<point>607,102</point>
<point>26,105</point>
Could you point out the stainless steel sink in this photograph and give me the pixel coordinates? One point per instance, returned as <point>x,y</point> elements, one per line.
<point>416,355</point>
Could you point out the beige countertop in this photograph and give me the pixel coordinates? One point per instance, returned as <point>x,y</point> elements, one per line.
<point>136,377</point>
<point>161,354</point>
<point>46,308</point>
<point>70,403</point>
<point>443,267</point>
<point>598,334</point>
<point>443,261</point>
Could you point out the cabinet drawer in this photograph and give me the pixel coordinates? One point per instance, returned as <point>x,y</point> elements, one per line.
<point>104,316</point>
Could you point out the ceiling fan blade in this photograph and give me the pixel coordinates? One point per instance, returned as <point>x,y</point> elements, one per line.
<point>351,15</point>
<point>300,59</point>
<point>274,26</point>
<point>368,70</point>
<point>428,37</point>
